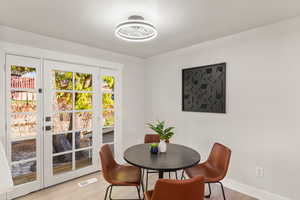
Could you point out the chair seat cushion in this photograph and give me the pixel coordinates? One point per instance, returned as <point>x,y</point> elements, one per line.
<point>209,173</point>
<point>126,175</point>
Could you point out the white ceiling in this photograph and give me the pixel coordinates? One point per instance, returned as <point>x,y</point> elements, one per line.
<point>180,23</point>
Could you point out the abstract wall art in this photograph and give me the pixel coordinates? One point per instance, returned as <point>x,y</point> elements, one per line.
<point>204,89</point>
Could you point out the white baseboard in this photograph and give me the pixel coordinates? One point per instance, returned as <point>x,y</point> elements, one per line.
<point>252,191</point>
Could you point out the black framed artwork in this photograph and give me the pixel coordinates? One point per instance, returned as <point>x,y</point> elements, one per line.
<point>204,89</point>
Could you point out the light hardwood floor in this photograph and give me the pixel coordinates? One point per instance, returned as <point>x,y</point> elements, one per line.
<point>71,191</point>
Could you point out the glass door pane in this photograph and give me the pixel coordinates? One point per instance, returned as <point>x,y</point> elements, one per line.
<point>108,109</point>
<point>72,95</point>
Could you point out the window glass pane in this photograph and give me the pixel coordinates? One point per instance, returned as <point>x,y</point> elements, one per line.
<point>62,122</point>
<point>108,118</point>
<point>108,134</point>
<point>62,142</point>
<point>83,101</point>
<point>83,158</point>
<point>83,120</point>
<point>22,101</point>
<point>23,125</point>
<point>22,150</point>
<point>83,82</point>
<point>108,83</point>
<point>63,101</point>
<point>23,77</point>
<point>108,100</point>
<point>24,172</point>
<point>62,80</point>
<point>62,163</point>
<point>83,139</point>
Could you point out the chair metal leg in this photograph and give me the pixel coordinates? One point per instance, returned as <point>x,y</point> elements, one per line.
<point>223,192</point>
<point>106,192</point>
<point>138,190</point>
<point>169,175</point>
<point>176,175</point>
<point>209,188</point>
<point>110,192</point>
<point>143,191</point>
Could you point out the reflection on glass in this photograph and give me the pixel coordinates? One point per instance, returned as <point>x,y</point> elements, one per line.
<point>83,82</point>
<point>108,118</point>
<point>108,100</point>
<point>108,83</point>
<point>62,142</point>
<point>23,172</point>
<point>62,122</point>
<point>22,101</point>
<point>108,134</point>
<point>83,120</point>
<point>83,158</point>
<point>62,163</point>
<point>83,101</point>
<point>22,77</point>
<point>22,150</point>
<point>63,101</point>
<point>23,125</point>
<point>62,80</point>
<point>83,139</point>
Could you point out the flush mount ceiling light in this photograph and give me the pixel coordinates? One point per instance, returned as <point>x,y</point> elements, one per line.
<point>136,29</point>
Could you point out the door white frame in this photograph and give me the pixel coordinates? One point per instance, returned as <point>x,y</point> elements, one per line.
<point>21,50</point>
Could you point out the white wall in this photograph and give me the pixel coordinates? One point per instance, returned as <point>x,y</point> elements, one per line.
<point>133,75</point>
<point>262,122</point>
<point>261,125</point>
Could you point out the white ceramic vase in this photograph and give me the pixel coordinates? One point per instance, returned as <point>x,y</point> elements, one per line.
<point>162,146</point>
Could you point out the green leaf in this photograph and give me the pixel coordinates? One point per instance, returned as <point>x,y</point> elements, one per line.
<point>168,129</point>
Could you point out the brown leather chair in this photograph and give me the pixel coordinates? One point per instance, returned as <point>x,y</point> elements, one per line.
<point>165,189</point>
<point>153,138</point>
<point>214,169</point>
<point>118,175</point>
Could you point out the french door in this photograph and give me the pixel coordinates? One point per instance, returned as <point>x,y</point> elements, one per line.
<point>58,116</point>
<point>24,125</point>
<point>71,137</point>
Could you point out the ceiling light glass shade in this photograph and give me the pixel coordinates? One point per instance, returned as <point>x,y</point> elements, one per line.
<point>136,29</point>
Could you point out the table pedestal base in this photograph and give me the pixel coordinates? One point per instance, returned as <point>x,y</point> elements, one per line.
<point>161,174</point>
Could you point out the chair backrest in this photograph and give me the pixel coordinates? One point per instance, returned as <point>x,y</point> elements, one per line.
<point>107,161</point>
<point>219,159</point>
<point>151,138</point>
<point>191,189</point>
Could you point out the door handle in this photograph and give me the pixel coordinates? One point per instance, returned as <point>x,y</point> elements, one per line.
<point>48,119</point>
<point>48,128</point>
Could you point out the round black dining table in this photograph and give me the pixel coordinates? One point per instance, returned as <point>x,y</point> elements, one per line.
<point>176,157</point>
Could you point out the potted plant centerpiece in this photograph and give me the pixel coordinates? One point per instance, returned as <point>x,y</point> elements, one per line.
<point>165,134</point>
